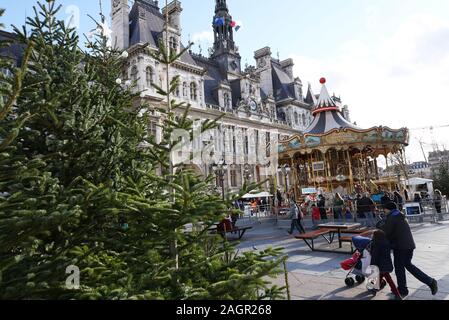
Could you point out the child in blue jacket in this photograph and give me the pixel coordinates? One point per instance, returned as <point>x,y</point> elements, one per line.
<point>381,257</point>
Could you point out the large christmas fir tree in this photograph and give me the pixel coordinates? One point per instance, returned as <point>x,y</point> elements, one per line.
<point>83,184</point>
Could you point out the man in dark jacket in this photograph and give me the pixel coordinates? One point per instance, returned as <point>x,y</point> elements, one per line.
<point>386,198</point>
<point>398,200</point>
<point>400,236</point>
<point>366,206</point>
<point>322,206</point>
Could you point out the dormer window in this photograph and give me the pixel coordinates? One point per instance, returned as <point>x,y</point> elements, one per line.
<point>173,43</point>
<point>227,101</point>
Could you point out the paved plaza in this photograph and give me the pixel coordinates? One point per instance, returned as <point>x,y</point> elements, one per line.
<point>317,276</point>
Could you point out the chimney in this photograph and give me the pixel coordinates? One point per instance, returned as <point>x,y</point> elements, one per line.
<point>287,66</point>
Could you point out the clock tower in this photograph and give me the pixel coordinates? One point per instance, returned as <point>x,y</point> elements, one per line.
<point>225,52</point>
<point>120,24</point>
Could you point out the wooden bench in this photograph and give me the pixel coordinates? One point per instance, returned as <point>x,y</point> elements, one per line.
<point>356,231</point>
<point>240,231</point>
<point>313,235</point>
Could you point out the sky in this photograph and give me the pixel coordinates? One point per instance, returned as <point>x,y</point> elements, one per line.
<point>387,59</point>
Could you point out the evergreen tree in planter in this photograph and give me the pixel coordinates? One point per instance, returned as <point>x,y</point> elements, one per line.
<point>83,185</point>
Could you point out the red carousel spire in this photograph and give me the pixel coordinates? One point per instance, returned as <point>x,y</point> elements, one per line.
<point>325,102</point>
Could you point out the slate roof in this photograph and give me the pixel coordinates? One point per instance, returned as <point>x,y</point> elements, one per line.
<point>14,51</point>
<point>212,78</point>
<point>282,84</point>
<point>148,30</point>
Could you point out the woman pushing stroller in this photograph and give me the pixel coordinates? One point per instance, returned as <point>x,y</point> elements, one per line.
<point>371,252</point>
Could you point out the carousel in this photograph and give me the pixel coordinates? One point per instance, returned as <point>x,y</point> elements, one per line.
<point>334,155</point>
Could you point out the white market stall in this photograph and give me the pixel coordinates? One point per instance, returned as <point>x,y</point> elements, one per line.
<point>419,185</point>
<point>251,196</point>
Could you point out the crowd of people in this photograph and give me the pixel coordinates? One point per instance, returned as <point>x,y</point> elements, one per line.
<point>393,234</point>
<point>362,207</point>
<point>386,215</point>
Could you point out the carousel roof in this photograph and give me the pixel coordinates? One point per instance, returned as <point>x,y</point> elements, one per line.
<point>330,129</point>
<point>327,115</point>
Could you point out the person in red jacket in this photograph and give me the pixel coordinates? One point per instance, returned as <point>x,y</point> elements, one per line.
<point>316,216</point>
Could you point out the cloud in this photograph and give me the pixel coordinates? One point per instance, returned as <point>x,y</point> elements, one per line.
<point>206,36</point>
<point>401,81</point>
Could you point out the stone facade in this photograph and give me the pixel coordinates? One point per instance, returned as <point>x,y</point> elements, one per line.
<point>261,103</point>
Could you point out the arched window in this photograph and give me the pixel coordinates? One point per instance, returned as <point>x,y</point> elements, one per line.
<point>177,91</point>
<point>193,91</point>
<point>304,120</point>
<point>184,89</point>
<point>150,76</point>
<point>296,118</point>
<point>134,73</point>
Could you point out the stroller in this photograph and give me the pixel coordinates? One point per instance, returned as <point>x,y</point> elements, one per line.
<point>359,263</point>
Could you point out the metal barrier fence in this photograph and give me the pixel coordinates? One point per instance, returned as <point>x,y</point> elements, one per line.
<point>428,214</point>
<point>257,214</point>
<point>263,213</point>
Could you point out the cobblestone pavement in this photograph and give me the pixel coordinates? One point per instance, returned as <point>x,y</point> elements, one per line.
<point>317,276</point>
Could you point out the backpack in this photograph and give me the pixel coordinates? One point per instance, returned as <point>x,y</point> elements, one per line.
<point>294,214</point>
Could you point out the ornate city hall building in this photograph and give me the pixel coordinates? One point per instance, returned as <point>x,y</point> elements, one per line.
<point>260,102</point>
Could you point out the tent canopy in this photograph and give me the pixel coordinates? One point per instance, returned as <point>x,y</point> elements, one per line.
<point>418,181</point>
<point>257,195</point>
<point>415,183</point>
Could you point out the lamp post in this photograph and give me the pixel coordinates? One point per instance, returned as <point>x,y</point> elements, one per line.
<point>220,170</point>
<point>285,170</point>
<point>247,172</point>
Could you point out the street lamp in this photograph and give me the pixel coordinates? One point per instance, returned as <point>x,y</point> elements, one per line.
<point>220,170</point>
<point>247,172</point>
<point>285,170</point>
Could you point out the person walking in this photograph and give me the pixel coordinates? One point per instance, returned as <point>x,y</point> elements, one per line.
<point>399,234</point>
<point>407,198</point>
<point>438,200</point>
<point>322,206</point>
<point>279,197</point>
<point>386,198</point>
<point>295,215</point>
<point>418,199</point>
<point>359,213</point>
<point>338,207</point>
<point>316,216</point>
<point>398,200</point>
<point>367,207</point>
